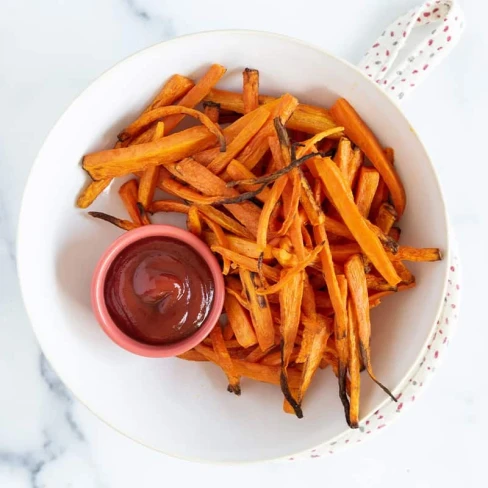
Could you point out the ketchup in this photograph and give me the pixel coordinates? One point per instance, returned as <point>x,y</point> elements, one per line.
<point>159,290</point>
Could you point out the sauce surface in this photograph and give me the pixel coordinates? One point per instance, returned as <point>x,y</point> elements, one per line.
<point>159,290</point>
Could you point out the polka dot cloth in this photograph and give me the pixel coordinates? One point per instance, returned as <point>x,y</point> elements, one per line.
<point>442,22</point>
<point>410,389</point>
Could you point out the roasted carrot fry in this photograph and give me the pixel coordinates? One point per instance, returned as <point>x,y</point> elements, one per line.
<point>313,210</point>
<point>120,223</point>
<point>247,262</point>
<point>119,162</point>
<point>355,128</point>
<point>366,188</point>
<point>212,111</point>
<point>224,221</point>
<point>175,88</point>
<point>259,308</point>
<point>376,283</point>
<point>406,276</point>
<point>258,146</point>
<point>342,347</point>
<point>255,371</point>
<point>355,163</point>
<point>168,206</point>
<point>197,93</point>
<point>242,246</point>
<point>241,300</point>
<point>192,355</point>
<point>206,156</point>
<point>343,155</point>
<point>290,305</point>
<point>150,177</point>
<point>354,366</point>
<point>356,280</point>
<point>256,355</point>
<point>386,217</point>
<point>288,275</point>
<point>307,118</point>
<point>159,113</point>
<point>381,195</point>
<point>312,363</point>
<point>221,239</point>
<point>224,360</point>
<point>238,144</point>
<point>250,89</point>
<point>193,222</point>
<point>173,187</point>
<point>407,253</point>
<point>237,171</point>
<point>205,181</point>
<point>238,316</point>
<point>309,320</point>
<point>264,217</point>
<point>341,195</point>
<point>128,194</point>
<point>91,192</point>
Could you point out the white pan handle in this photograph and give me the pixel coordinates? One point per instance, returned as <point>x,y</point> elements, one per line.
<point>398,79</point>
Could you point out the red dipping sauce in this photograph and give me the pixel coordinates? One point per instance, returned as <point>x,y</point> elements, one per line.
<point>159,290</point>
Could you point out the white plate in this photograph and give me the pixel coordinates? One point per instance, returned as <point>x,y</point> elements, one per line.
<point>181,408</point>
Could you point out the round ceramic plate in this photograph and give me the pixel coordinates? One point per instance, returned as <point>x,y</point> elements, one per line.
<point>174,406</point>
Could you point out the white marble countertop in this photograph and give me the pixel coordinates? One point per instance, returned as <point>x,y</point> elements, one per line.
<point>49,52</point>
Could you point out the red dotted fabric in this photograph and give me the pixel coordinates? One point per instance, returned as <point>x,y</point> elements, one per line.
<point>441,21</point>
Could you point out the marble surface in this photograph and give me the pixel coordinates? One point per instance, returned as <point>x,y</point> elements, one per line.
<point>52,49</point>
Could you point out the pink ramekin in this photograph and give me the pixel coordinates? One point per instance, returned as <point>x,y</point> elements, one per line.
<point>100,308</point>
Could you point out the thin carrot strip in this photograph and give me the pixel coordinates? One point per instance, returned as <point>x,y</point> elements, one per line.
<point>356,280</point>
<point>341,195</point>
<point>250,89</point>
<point>361,135</point>
<point>197,93</point>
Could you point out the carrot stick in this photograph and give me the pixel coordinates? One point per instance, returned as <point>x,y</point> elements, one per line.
<point>221,239</point>
<point>240,142</point>
<point>224,360</point>
<point>197,93</point>
<point>354,365</point>
<point>250,89</point>
<point>224,221</point>
<point>355,128</point>
<point>91,192</point>
<point>366,188</point>
<point>290,304</point>
<point>247,262</point>
<point>210,184</point>
<point>168,206</point>
<point>343,155</point>
<point>307,118</point>
<point>381,195</point>
<point>238,316</point>
<point>212,111</point>
<point>341,195</point>
<point>356,280</point>
<point>150,177</point>
<point>264,217</point>
<point>259,309</point>
<point>176,87</point>
<point>258,146</point>
<point>159,113</point>
<point>128,194</point>
<point>237,171</point>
